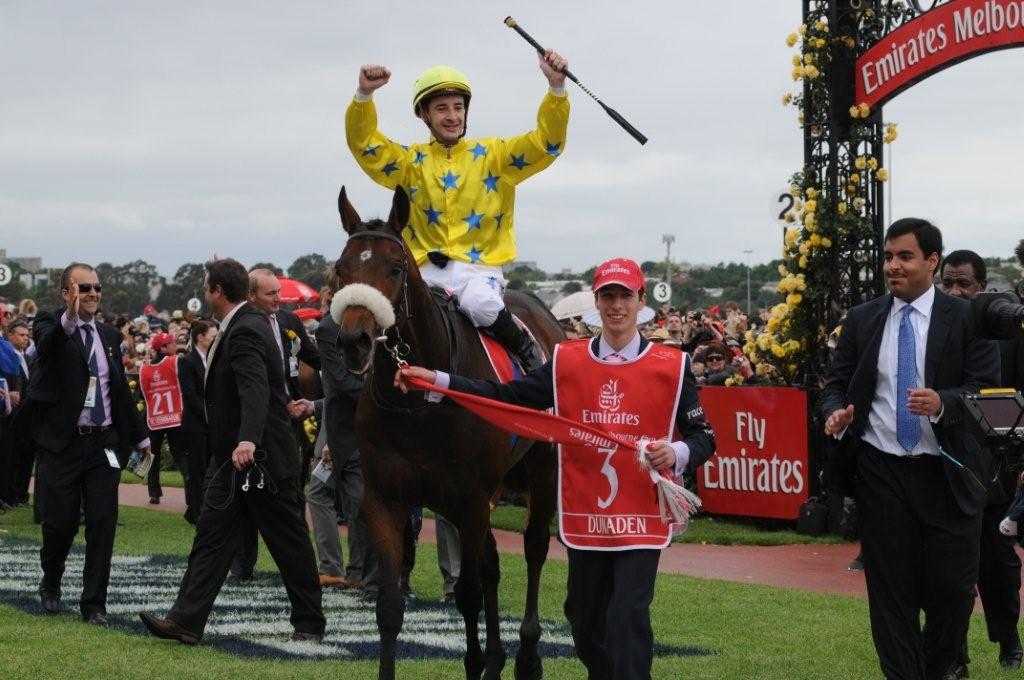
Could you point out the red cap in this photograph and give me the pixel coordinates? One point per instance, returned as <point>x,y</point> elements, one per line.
<point>619,271</point>
<point>150,309</point>
<point>160,340</point>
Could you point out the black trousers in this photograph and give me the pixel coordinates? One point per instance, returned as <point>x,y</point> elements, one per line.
<point>608,607</point>
<point>8,463</point>
<point>178,445</point>
<point>196,462</point>
<point>25,455</point>
<point>999,577</point>
<point>281,521</point>
<point>79,477</point>
<point>920,552</point>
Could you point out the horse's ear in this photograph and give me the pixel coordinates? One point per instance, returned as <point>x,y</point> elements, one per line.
<point>399,217</point>
<point>349,217</point>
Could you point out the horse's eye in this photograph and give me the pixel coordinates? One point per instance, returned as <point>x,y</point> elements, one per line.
<point>396,270</point>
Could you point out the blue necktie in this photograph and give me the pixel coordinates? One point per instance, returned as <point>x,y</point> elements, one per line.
<point>908,425</point>
<point>97,414</point>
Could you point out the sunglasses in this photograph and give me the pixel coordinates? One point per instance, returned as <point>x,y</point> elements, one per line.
<point>716,358</point>
<point>89,287</point>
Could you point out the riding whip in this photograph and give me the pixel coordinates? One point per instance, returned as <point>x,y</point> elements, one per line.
<point>636,134</point>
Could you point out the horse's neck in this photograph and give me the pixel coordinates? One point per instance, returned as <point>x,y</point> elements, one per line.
<point>427,329</point>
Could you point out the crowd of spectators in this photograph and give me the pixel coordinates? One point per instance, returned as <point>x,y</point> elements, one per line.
<point>713,337</point>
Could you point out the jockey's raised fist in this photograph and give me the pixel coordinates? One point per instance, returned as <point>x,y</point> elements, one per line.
<point>372,77</point>
<point>553,65</point>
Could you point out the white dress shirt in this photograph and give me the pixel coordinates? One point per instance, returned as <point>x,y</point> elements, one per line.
<point>881,427</point>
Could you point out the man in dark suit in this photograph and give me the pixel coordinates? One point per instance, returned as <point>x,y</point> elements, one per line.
<point>293,345</point>
<point>252,474</point>
<point>893,396</point>
<point>964,275</point>
<point>82,417</point>
<point>202,334</point>
<point>341,396</point>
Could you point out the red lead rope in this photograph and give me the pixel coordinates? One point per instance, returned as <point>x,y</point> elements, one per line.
<point>536,425</point>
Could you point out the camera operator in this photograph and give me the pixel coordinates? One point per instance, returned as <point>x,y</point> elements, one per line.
<point>964,275</point>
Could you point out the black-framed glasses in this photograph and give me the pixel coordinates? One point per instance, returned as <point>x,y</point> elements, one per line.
<point>89,287</point>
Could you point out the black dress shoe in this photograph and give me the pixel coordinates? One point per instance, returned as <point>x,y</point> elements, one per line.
<point>1010,654</point>
<point>154,500</point>
<point>956,672</point>
<point>239,578</point>
<point>169,630</point>
<point>97,619</point>
<point>299,636</point>
<point>50,601</point>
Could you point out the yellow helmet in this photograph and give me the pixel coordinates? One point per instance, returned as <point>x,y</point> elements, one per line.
<point>439,80</point>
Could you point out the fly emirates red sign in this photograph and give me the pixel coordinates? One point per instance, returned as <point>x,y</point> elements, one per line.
<point>935,40</point>
<point>760,465</point>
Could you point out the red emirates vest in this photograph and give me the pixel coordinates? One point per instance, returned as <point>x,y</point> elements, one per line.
<point>162,391</point>
<point>605,500</point>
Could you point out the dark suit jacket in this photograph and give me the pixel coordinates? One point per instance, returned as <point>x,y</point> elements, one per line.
<point>341,393</point>
<point>308,354</point>
<point>537,390</point>
<point>60,379</point>
<point>956,361</point>
<point>245,396</point>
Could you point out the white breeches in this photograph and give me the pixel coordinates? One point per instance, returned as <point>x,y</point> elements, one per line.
<point>480,288</point>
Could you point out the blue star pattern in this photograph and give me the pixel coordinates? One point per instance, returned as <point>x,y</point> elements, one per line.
<point>419,158</point>
<point>492,281</point>
<point>433,216</point>
<point>518,162</point>
<point>479,150</point>
<point>412,190</point>
<point>474,254</point>
<point>450,180</point>
<point>553,149</point>
<point>491,182</point>
<point>371,150</point>
<point>391,167</point>
<point>497,220</point>
<point>473,220</point>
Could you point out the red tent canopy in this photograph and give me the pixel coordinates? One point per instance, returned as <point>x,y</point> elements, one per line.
<point>307,313</point>
<point>296,291</point>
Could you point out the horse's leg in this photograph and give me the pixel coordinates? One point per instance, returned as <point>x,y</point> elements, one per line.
<point>385,523</point>
<point>536,537</point>
<point>490,575</point>
<point>468,591</point>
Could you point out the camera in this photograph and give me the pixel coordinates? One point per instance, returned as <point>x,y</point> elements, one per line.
<point>997,316</point>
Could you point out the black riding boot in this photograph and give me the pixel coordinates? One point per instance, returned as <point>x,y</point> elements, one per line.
<point>506,331</point>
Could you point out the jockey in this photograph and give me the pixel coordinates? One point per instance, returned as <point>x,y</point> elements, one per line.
<point>462,192</point>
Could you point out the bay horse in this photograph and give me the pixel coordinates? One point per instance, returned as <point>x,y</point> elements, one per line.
<point>420,454</point>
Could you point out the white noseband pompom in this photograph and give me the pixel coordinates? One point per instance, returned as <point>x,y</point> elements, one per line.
<point>362,295</point>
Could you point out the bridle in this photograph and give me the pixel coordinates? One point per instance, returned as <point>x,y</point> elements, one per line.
<point>398,348</point>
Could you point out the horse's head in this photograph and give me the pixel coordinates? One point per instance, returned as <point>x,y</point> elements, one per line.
<point>372,279</point>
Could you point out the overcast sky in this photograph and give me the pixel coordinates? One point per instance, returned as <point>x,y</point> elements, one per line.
<point>170,131</point>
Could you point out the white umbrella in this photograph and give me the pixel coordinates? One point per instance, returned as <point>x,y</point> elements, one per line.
<point>576,304</point>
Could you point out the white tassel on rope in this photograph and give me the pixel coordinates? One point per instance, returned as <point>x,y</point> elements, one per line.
<point>676,503</point>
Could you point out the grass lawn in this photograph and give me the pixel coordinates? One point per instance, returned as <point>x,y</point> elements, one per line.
<point>754,631</point>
